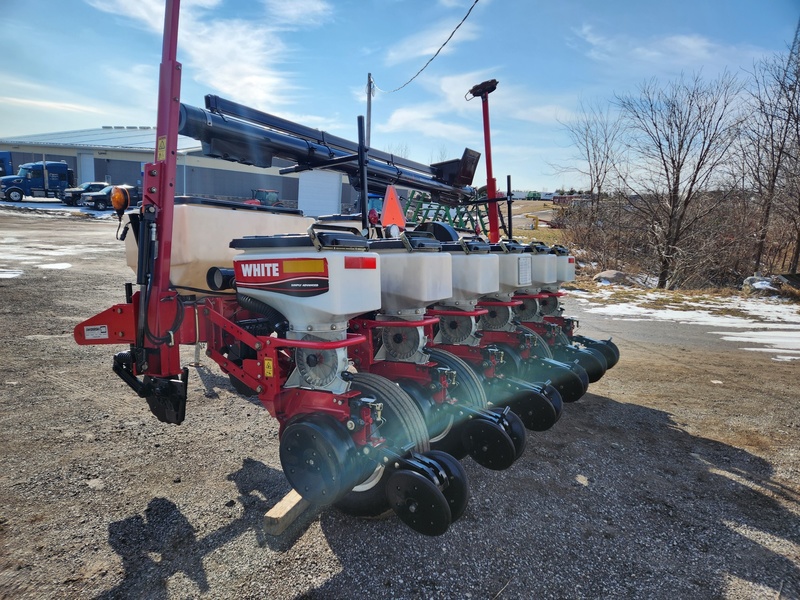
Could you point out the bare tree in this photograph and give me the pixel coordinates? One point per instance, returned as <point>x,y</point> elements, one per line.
<point>400,149</point>
<point>770,131</point>
<point>440,155</point>
<point>595,133</point>
<point>787,208</point>
<point>795,190</point>
<point>793,163</point>
<point>678,137</point>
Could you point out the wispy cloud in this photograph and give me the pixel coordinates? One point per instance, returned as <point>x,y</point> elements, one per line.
<point>681,49</point>
<point>518,102</point>
<point>425,119</point>
<point>521,103</point>
<point>245,59</point>
<point>667,54</point>
<point>448,115</point>
<point>445,116</point>
<point>298,13</point>
<point>149,13</point>
<point>241,59</point>
<point>49,105</point>
<point>465,4</point>
<point>426,42</point>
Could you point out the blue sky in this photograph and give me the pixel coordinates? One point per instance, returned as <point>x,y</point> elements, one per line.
<point>75,64</point>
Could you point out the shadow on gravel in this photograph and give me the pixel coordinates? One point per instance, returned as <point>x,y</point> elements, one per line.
<point>161,542</point>
<point>212,380</point>
<point>617,500</point>
<point>162,531</point>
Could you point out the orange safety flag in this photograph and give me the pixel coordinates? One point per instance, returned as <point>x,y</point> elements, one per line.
<point>392,211</point>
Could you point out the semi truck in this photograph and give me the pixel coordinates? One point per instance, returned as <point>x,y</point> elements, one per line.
<point>46,179</point>
<point>6,167</point>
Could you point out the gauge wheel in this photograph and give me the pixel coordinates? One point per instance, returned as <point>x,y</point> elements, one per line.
<point>540,346</point>
<point>513,362</point>
<point>403,425</point>
<point>562,339</point>
<point>468,392</point>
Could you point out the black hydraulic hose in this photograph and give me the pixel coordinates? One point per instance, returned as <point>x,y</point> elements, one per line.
<point>278,322</point>
<point>176,324</point>
<point>144,269</point>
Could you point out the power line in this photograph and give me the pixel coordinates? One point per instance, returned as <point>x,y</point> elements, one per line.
<point>430,60</point>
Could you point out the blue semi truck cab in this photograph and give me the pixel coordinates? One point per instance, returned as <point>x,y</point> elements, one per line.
<point>46,179</point>
<point>6,167</point>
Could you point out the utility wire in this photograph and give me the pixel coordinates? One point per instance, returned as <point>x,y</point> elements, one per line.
<point>430,60</point>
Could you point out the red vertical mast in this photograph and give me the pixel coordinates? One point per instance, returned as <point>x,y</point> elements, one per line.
<point>157,207</point>
<point>483,90</point>
<point>160,175</point>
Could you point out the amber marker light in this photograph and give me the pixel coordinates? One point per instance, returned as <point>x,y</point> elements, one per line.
<point>120,200</point>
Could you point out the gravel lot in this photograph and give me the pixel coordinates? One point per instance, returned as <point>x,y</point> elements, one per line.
<point>659,483</point>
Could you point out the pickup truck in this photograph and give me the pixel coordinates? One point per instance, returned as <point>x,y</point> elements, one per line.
<point>72,196</point>
<point>102,200</point>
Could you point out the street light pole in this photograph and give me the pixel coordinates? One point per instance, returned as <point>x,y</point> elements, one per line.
<point>370,93</point>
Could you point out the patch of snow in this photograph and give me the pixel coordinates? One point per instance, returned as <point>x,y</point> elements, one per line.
<point>771,323</point>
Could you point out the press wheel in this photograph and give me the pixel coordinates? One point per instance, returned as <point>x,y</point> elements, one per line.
<point>570,380</point>
<point>457,490</point>
<point>418,502</point>
<point>608,348</point>
<point>488,444</point>
<point>515,430</point>
<point>599,356</point>
<point>536,411</point>
<point>592,361</point>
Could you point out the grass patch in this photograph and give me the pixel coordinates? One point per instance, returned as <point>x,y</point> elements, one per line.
<point>728,311</point>
<point>714,301</point>
<point>543,234</point>
<point>790,293</point>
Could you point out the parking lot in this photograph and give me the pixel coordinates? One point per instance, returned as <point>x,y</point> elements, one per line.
<point>677,476</point>
<point>50,204</point>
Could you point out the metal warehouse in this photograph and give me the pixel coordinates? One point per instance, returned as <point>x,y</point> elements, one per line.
<point>118,154</point>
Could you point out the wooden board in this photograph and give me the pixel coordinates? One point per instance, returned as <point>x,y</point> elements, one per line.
<point>284,513</point>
